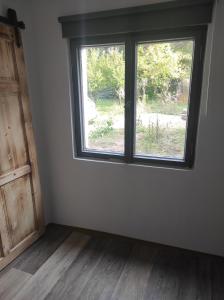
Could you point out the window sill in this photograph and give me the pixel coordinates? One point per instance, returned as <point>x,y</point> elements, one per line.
<point>136,161</point>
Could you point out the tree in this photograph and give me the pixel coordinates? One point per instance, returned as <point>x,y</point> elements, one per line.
<point>158,70</point>
<point>106,72</point>
<point>162,68</point>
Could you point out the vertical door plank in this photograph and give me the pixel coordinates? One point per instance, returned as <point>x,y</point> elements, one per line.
<point>1,249</point>
<point>13,146</point>
<point>4,230</point>
<point>7,70</point>
<point>27,119</point>
<point>19,209</point>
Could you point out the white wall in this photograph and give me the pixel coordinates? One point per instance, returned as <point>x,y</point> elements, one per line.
<point>3,5</point>
<point>175,207</point>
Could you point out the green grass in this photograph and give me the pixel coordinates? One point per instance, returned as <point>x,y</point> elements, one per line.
<point>159,142</point>
<point>109,107</point>
<point>112,107</point>
<point>169,108</point>
<point>169,142</point>
<point>113,140</point>
<point>151,140</point>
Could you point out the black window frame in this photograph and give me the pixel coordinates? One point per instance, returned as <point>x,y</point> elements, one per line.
<point>196,33</point>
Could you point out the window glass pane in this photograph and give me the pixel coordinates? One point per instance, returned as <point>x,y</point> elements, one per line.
<point>162,100</point>
<point>103,76</point>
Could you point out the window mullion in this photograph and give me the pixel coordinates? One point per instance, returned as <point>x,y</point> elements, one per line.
<point>130,75</point>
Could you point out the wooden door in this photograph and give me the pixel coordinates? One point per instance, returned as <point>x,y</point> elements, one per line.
<point>21,216</point>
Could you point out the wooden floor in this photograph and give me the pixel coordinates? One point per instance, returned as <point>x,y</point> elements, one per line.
<point>68,264</point>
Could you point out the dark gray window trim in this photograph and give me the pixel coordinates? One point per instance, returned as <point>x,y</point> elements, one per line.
<point>171,14</point>
<point>169,20</point>
<point>197,33</point>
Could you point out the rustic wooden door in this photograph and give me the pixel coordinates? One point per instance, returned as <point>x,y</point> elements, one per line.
<point>21,216</point>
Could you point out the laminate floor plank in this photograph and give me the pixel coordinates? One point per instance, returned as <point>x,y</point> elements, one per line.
<point>217,278</point>
<point>71,285</point>
<point>179,275</point>
<point>70,264</point>
<point>108,271</point>
<point>187,276</point>
<point>49,273</point>
<point>203,277</point>
<point>11,282</point>
<point>133,281</point>
<point>33,258</point>
<point>163,282</point>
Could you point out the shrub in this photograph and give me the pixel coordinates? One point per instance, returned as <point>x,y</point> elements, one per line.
<point>102,129</point>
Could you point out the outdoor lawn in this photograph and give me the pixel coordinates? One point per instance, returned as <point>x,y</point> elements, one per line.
<point>158,137</point>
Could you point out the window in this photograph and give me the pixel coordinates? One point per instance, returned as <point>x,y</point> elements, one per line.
<point>102,98</point>
<point>137,93</point>
<point>163,80</point>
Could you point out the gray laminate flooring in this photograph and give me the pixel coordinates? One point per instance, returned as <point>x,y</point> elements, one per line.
<point>69,264</point>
